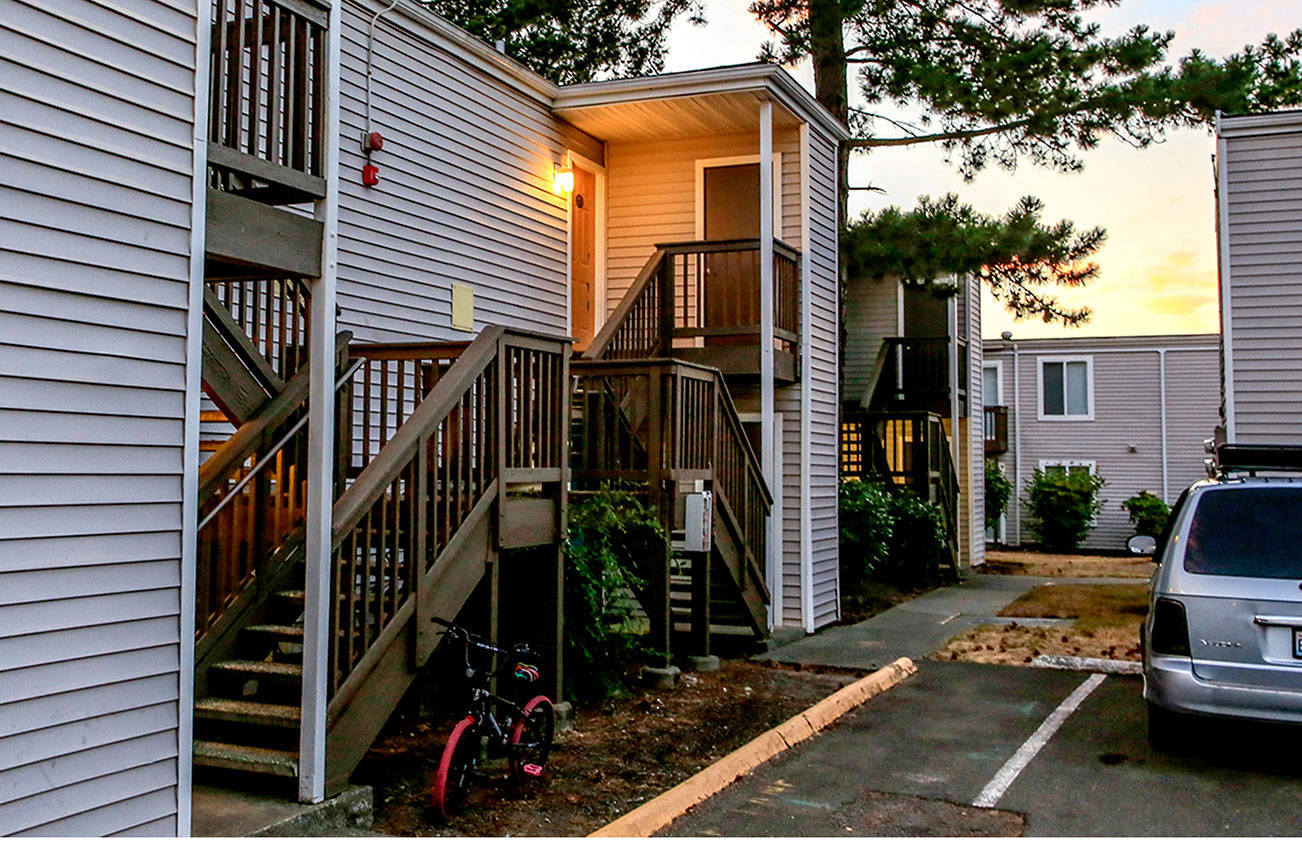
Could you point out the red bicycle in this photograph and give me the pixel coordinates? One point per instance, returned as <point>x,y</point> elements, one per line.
<point>520,731</point>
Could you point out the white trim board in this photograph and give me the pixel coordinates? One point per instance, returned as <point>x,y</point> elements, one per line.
<point>698,192</point>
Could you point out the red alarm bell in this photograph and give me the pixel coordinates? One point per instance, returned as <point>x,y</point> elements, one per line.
<point>370,175</point>
<point>372,142</point>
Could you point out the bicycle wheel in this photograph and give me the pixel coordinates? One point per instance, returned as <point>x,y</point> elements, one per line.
<point>531,740</point>
<point>452,779</point>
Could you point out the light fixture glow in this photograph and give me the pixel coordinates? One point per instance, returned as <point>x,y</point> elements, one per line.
<point>563,181</point>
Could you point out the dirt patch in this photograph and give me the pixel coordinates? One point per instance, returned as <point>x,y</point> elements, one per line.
<point>1029,563</point>
<point>624,752</point>
<point>1107,625</point>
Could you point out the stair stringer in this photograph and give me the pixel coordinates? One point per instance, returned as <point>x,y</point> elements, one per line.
<point>365,701</point>
<point>745,585</point>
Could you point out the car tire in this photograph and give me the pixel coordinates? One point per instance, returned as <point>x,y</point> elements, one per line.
<point>1168,731</point>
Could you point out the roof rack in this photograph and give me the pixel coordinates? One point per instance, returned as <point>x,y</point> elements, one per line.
<point>1238,458</point>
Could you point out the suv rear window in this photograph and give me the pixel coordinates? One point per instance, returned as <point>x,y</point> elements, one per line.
<point>1251,531</point>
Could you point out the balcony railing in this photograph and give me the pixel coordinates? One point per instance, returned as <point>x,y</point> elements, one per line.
<point>996,430</point>
<point>700,300</point>
<point>266,121</point>
<point>914,373</point>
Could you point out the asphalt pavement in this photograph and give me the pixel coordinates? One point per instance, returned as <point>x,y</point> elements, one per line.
<point>1049,752</point>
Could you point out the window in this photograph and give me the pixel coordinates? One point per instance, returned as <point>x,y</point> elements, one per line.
<point>991,387</point>
<point>1066,389</point>
<point>1247,532</point>
<point>1069,467</point>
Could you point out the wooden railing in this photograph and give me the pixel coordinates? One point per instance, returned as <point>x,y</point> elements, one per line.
<point>904,449</point>
<point>252,497</point>
<point>995,423</point>
<point>706,293</point>
<point>451,436</point>
<point>266,123</point>
<point>274,314</point>
<point>915,374</point>
<point>672,422</point>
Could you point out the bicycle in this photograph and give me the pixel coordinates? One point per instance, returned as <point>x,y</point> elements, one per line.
<point>523,734</point>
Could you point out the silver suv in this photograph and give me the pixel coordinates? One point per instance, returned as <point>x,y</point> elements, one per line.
<point>1223,634</point>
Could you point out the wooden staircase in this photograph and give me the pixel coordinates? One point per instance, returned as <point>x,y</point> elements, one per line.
<point>448,455</point>
<point>669,429</point>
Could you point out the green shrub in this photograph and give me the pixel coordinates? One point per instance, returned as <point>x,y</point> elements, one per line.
<point>998,491</point>
<point>866,525</point>
<point>1148,513</point>
<point>610,534</point>
<point>1062,506</point>
<point>888,535</point>
<point>917,538</point>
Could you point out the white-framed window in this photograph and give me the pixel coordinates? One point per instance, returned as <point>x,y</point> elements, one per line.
<point>1066,389</point>
<point>992,383</point>
<point>1067,466</point>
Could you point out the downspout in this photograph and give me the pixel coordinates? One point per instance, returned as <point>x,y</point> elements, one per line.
<point>370,43</point>
<point>1017,446</point>
<point>1161,374</point>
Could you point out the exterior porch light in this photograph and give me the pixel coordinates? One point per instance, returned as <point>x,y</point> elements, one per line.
<point>562,180</point>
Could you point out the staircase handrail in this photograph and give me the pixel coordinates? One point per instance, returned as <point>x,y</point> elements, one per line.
<point>601,343</point>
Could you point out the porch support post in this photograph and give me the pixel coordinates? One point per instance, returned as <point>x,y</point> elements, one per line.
<point>806,402</point>
<point>320,459</point>
<point>767,433</point>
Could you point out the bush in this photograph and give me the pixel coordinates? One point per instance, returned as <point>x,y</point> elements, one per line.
<point>998,491</point>
<point>866,525</point>
<point>889,535</point>
<point>1148,513</point>
<point>1062,507</point>
<point>610,534</point>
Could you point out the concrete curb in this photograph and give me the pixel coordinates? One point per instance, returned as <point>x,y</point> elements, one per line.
<point>648,818</point>
<point>1088,664</point>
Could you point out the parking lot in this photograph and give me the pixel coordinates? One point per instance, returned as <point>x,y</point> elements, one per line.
<point>1043,752</point>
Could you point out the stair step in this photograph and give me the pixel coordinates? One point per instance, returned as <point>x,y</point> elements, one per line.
<point>260,669</point>
<point>291,596</point>
<point>283,632</point>
<point>244,758</point>
<point>239,711</point>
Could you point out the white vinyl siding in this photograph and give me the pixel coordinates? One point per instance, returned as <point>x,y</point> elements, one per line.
<point>972,489</point>
<point>1127,412</point>
<point>465,192</point>
<point>1261,268</point>
<point>872,313</point>
<point>96,109</point>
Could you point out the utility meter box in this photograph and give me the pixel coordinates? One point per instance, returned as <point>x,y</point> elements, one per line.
<point>699,521</point>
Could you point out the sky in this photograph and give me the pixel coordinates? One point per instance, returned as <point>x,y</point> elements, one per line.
<point>1158,267</point>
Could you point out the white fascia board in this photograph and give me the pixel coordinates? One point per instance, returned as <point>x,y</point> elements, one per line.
<point>1272,123</point>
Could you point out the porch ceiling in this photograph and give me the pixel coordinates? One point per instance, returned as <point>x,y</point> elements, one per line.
<point>676,118</point>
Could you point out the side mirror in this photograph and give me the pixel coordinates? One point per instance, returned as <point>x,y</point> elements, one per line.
<point>1141,544</point>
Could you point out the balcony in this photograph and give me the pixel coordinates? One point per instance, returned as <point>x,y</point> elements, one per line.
<point>914,373</point>
<point>699,301</point>
<point>996,430</point>
<point>266,136</point>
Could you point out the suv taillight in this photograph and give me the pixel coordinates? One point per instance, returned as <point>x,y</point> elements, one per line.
<point>1170,628</point>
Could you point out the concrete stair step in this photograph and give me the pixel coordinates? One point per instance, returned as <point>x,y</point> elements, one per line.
<point>244,711</point>
<point>245,758</point>
<point>279,632</point>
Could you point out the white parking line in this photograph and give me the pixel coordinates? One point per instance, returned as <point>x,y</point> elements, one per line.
<point>1003,779</point>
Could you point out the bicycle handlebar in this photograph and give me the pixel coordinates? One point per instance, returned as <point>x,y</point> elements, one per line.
<point>473,641</point>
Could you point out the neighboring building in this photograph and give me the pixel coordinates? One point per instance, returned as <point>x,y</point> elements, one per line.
<point>1259,228</point>
<point>1134,410</point>
<point>912,379</point>
<point>183,212</point>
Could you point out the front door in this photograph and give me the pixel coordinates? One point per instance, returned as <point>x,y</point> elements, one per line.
<point>583,258</point>
<point>730,209</point>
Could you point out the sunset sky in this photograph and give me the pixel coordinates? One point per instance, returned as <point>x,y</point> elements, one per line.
<point>1159,263</point>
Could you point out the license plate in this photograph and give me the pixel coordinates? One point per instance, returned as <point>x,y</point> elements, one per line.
<point>1297,642</point>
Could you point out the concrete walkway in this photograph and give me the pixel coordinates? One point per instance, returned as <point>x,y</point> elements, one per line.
<point>917,627</point>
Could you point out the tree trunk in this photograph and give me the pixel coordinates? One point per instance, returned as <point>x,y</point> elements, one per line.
<point>831,87</point>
